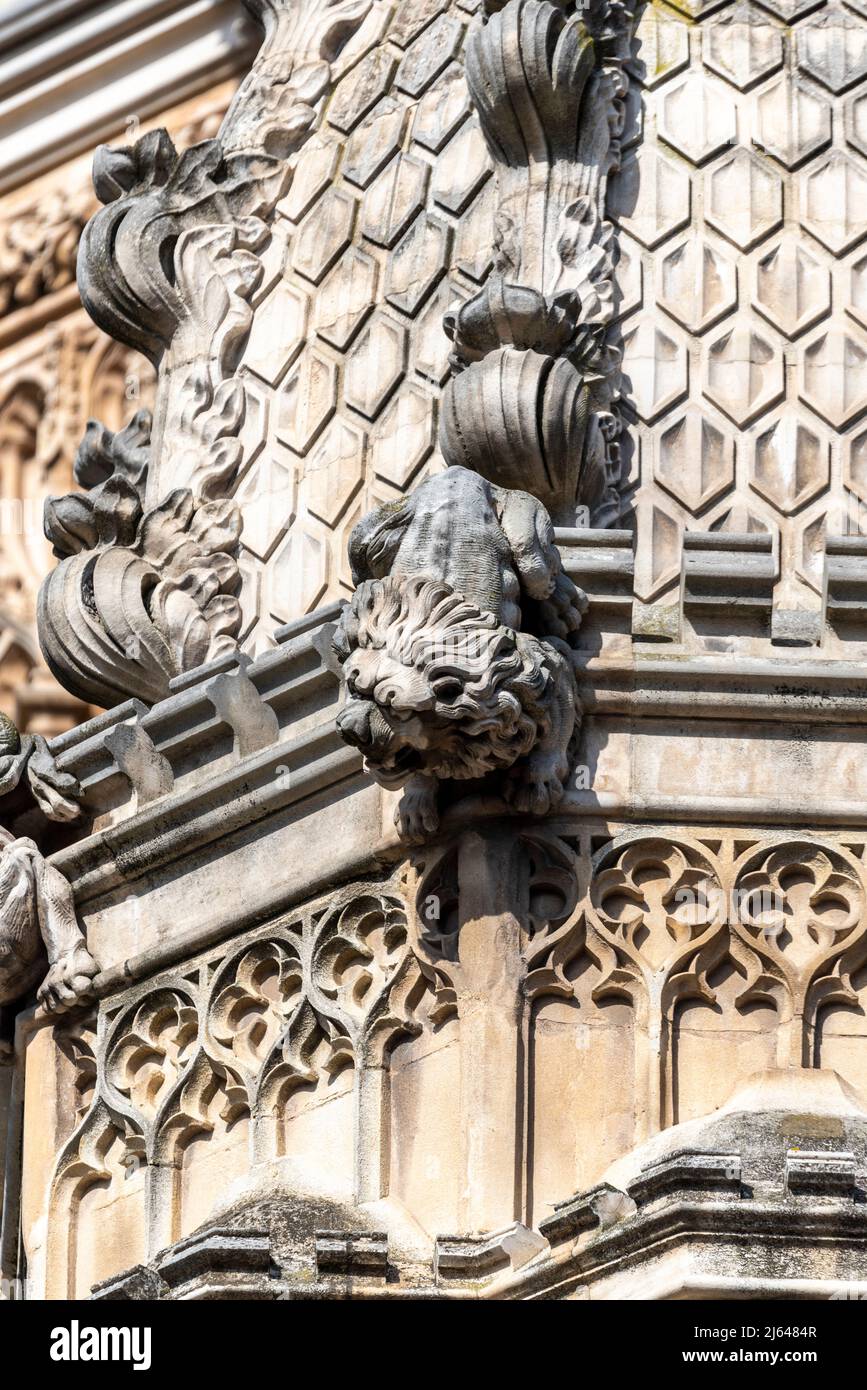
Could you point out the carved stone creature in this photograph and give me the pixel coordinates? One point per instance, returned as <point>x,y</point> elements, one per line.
<point>455,647</point>
<point>28,773</point>
<point>37,914</point>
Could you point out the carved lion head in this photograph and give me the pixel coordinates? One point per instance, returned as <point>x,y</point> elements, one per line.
<point>434,684</point>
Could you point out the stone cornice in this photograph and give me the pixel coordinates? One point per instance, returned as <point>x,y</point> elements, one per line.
<point>212,790</point>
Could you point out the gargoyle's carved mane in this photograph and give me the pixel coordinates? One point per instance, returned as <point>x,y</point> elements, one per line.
<point>426,625</point>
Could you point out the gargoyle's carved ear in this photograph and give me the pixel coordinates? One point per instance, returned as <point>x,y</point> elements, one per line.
<point>345,635</point>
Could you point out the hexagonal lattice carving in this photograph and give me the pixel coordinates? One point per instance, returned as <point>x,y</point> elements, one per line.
<point>345,299</point>
<point>792,123</point>
<point>793,287</point>
<point>416,264</point>
<point>361,89</point>
<point>326,233</point>
<point>405,437</point>
<point>278,332</point>
<point>431,347</point>
<point>461,170</point>
<point>375,366</point>
<point>313,174</point>
<point>428,55</point>
<point>698,118</point>
<point>474,246</point>
<point>663,46</point>
<point>746,200</point>
<point>307,399</point>
<point>695,460</point>
<point>375,142</point>
<point>654,361</point>
<point>441,110</point>
<point>410,20</point>
<point>651,202</point>
<point>391,216</point>
<point>742,46</point>
<point>630,276</point>
<point>743,372</point>
<point>267,499</point>
<point>833,199</point>
<point>833,376</point>
<point>855,463</point>
<point>833,48</point>
<point>789,463</point>
<point>393,199</point>
<point>298,573</point>
<point>334,471</point>
<point>697,284</point>
<point>857,304</point>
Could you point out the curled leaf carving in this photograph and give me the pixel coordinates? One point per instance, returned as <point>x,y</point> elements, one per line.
<point>140,596</point>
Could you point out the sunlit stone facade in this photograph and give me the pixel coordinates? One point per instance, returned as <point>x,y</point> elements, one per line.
<point>436,837</point>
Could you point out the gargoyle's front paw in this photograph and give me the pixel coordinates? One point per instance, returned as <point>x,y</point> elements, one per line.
<point>416,815</point>
<point>69,981</point>
<point>535,787</point>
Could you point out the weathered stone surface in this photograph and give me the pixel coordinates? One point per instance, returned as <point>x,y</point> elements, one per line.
<point>463,359</point>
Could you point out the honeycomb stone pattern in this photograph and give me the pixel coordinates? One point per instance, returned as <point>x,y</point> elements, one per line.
<point>387,222</point>
<point>743,281</point>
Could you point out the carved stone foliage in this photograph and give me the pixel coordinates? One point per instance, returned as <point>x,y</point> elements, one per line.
<point>537,369</point>
<point>139,595</point>
<point>275,108</point>
<point>242,1040</point>
<point>70,372</point>
<point>170,266</point>
<point>39,237</point>
<point>152,196</point>
<point>455,647</point>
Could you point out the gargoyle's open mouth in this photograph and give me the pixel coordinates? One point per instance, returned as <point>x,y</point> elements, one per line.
<point>406,759</point>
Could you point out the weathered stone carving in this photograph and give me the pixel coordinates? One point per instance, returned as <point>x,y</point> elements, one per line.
<point>801,922</point>
<point>56,793</point>
<point>294,1012</point>
<point>168,264</point>
<point>38,247</point>
<point>536,372</point>
<point>37,914</point>
<point>140,596</point>
<point>146,588</point>
<point>455,646</point>
<point>152,196</point>
<point>275,108</point>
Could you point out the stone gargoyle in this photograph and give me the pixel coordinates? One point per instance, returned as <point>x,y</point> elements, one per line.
<point>455,647</point>
<point>37,915</point>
